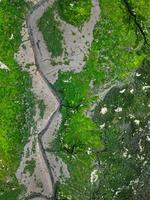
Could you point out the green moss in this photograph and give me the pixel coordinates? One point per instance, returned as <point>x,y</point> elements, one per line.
<point>72,89</point>
<point>80,133</point>
<point>115,53</point>
<point>42,107</point>
<point>30,166</point>
<point>139,18</point>
<point>17,101</point>
<point>116,42</point>
<point>10,190</point>
<point>75,12</point>
<point>51,32</point>
<point>124,135</point>
<point>78,185</point>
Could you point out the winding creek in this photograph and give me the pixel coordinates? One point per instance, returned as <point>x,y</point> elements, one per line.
<point>31,32</point>
<point>48,75</point>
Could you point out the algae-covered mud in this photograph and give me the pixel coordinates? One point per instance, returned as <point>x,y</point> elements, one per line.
<point>74,100</point>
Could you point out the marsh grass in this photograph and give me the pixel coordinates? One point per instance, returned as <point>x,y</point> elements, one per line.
<point>42,107</point>
<point>30,166</point>
<point>75,12</point>
<point>51,32</point>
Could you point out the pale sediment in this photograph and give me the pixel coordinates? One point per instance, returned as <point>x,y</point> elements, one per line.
<point>41,181</point>
<point>76,42</point>
<point>33,52</point>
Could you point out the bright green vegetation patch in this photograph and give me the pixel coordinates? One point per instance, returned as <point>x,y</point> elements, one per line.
<point>118,49</point>
<point>78,185</point>
<point>75,12</point>
<point>139,15</point>
<point>51,32</point>
<point>80,133</point>
<point>42,107</point>
<point>10,191</point>
<point>79,140</point>
<point>124,162</point>
<point>30,166</point>
<point>16,99</point>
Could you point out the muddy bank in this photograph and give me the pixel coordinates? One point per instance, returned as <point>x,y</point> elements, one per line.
<point>76,42</point>
<point>48,166</point>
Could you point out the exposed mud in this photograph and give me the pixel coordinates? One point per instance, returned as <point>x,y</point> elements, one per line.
<point>37,60</point>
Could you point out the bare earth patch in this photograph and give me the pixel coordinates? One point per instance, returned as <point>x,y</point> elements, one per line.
<point>32,52</point>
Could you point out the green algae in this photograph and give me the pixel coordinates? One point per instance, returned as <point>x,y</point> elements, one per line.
<point>16,98</point>
<point>75,12</point>
<point>115,54</point>
<point>51,32</point>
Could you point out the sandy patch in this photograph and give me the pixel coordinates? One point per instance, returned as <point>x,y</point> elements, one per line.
<point>40,181</point>
<point>34,57</point>
<point>77,42</point>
